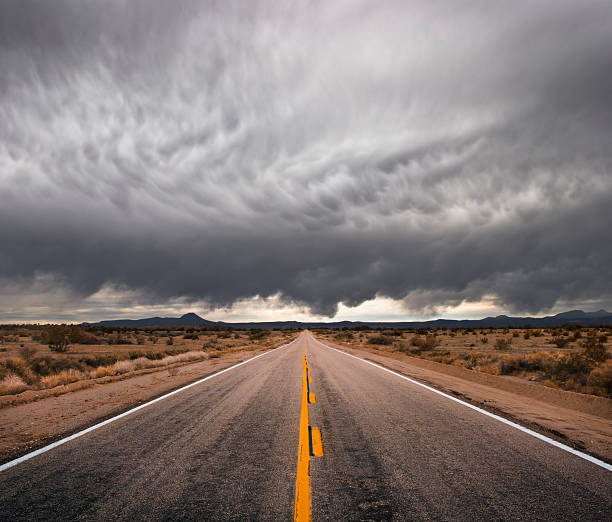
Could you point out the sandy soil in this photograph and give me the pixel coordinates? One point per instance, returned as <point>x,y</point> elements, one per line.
<point>582,421</point>
<point>25,426</point>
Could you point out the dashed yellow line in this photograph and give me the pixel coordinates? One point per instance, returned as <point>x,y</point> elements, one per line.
<point>317,443</point>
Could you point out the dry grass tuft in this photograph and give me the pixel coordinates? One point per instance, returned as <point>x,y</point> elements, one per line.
<point>12,384</point>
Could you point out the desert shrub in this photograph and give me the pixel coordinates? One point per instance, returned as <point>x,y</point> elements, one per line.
<point>344,336</point>
<point>512,365</point>
<point>170,341</point>
<point>117,338</point>
<point>601,379</point>
<point>77,335</point>
<point>47,365</point>
<point>594,350</point>
<point>27,352</point>
<point>424,344</point>
<point>382,340</point>
<point>57,338</point>
<point>515,334</point>
<point>577,335</point>
<point>403,347</point>
<point>63,377</point>
<point>192,336</point>
<point>527,335</point>
<point>20,368</point>
<point>256,335</point>
<point>603,338</point>
<point>561,342</point>
<point>502,343</point>
<point>570,365</point>
<point>11,384</point>
<point>484,340</point>
<point>429,343</point>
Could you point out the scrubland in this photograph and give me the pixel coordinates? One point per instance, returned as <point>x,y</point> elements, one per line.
<point>568,358</point>
<point>43,357</point>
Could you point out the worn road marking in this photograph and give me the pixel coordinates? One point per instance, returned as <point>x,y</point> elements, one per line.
<point>302,510</point>
<point>317,443</point>
<point>44,449</point>
<point>499,418</point>
<point>311,398</point>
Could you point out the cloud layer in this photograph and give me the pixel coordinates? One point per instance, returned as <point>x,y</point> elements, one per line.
<point>324,152</point>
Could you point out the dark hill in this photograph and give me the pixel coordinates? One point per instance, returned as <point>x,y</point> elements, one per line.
<point>574,317</point>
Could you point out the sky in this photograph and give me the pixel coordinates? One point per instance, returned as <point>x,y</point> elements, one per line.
<point>304,160</point>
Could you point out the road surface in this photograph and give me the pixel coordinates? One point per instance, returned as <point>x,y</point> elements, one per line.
<point>227,449</point>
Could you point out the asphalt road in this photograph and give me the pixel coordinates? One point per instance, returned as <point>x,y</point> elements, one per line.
<point>227,449</point>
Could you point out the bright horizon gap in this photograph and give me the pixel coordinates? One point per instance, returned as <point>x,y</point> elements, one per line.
<point>271,309</point>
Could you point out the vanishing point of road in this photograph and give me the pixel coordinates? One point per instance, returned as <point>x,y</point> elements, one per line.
<point>306,431</point>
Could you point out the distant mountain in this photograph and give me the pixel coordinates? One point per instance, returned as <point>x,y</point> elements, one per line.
<point>189,319</point>
<point>575,317</point>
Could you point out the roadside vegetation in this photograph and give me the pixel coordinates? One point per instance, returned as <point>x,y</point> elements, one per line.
<point>570,358</point>
<point>42,357</point>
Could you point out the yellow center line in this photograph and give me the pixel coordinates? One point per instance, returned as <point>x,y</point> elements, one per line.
<point>302,484</point>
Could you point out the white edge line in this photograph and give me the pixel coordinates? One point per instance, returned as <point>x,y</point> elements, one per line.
<point>535,434</point>
<point>44,449</point>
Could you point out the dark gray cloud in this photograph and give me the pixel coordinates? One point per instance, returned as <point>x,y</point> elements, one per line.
<point>432,152</point>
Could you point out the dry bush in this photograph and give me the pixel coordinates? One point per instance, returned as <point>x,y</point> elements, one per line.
<point>424,344</point>
<point>502,343</point>
<point>560,342</point>
<point>600,379</point>
<point>484,340</point>
<point>594,350</point>
<point>77,335</point>
<point>18,367</point>
<point>381,340</point>
<point>344,336</point>
<point>117,339</point>
<point>57,338</point>
<point>11,384</point>
<point>63,377</point>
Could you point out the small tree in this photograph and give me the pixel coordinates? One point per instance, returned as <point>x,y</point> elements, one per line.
<point>595,351</point>
<point>57,338</point>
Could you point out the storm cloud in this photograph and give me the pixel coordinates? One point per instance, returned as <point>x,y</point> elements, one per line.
<point>324,152</point>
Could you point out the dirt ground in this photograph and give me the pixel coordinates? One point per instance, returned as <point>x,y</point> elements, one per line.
<point>579,420</point>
